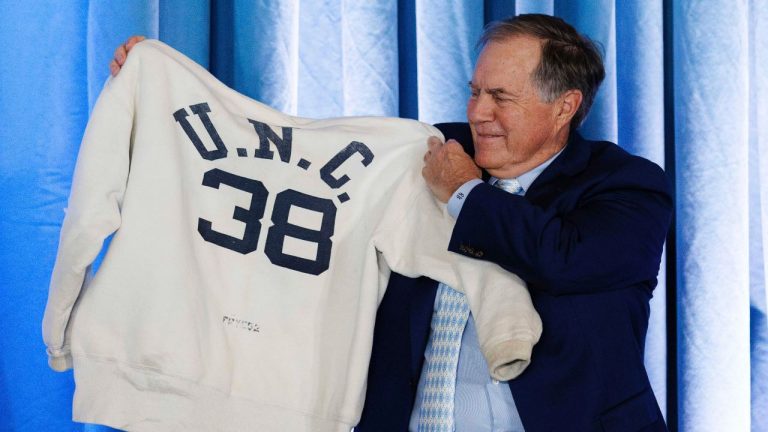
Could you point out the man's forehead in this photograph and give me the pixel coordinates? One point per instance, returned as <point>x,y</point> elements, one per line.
<point>500,80</point>
<point>515,50</point>
<point>504,64</point>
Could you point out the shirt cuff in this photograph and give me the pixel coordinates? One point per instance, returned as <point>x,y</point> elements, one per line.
<point>457,199</point>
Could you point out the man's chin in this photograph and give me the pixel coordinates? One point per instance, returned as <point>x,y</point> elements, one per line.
<point>484,161</point>
<point>485,156</point>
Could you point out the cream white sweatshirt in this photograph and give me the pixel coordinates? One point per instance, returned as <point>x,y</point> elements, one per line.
<point>250,252</point>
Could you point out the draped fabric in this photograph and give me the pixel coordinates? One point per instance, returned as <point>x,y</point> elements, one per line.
<point>686,86</point>
<point>720,149</point>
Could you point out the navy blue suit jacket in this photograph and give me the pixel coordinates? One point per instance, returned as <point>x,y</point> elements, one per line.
<point>587,237</point>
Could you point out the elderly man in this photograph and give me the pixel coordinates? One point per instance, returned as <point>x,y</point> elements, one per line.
<point>582,222</point>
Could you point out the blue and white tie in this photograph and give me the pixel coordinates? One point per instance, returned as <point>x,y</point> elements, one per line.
<point>442,355</point>
<point>509,185</point>
<point>440,360</point>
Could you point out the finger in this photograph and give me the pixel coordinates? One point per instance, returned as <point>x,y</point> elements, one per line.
<point>133,40</point>
<point>454,145</point>
<point>434,142</point>
<point>120,55</point>
<point>113,68</point>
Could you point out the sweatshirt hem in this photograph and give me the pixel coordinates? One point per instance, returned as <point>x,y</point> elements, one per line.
<point>133,399</point>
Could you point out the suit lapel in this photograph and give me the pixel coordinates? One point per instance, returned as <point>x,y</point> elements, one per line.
<point>571,161</point>
<point>422,304</point>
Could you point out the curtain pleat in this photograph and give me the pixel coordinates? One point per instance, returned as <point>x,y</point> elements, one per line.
<point>758,223</point>
<point>186,26</point>
<point>639,105</point>
<point>43,118</point>
<point>369,58</point>
<point>262,57</point>
<point>711,74</point>
<point>598,22</point>
<point>535,6</point>
<point>445,46</point>
<point>109,24</point>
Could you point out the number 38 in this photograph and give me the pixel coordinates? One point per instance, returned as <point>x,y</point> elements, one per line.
<point>280,229</point>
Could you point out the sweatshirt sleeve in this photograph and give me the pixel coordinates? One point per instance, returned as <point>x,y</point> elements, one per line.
<point>413,237</point>
<point>93,209</point>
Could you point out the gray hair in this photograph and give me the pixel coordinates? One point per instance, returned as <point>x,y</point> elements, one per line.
<point>569,60</point>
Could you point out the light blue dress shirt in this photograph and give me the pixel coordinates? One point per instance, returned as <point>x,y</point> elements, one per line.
<point>481,404</point>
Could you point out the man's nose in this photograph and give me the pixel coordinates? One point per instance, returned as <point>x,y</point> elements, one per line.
<point>480,109</point>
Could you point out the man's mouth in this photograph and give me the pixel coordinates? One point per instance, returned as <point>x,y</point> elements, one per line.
<point>486,135</point>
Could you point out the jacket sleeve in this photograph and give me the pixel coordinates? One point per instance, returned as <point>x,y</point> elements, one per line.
<point>413,238</point>
<point>606,236</point>
<point>93,210</point>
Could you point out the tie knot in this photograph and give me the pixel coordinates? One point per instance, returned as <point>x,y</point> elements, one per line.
<point>510,185</point>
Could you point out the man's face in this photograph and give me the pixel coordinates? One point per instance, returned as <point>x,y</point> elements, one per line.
<point>513,129</point>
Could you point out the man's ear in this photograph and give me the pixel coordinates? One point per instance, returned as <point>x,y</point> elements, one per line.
<point>568,103</point>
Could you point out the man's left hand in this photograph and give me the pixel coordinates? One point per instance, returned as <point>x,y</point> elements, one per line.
<point>447,167</point>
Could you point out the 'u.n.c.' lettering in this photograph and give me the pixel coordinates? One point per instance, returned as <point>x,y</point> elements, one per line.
<point>274,247</point>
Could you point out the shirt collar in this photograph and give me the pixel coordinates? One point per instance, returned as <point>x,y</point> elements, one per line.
<point>527,179</point>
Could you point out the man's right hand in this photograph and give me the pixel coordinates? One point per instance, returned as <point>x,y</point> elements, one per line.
<point>121,53</point>
<point>447,167</point>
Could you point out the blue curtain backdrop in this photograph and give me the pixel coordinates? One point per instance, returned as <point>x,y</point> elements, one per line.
<point>686,86</point>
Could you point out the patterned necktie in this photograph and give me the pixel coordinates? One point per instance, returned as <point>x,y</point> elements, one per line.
<point>442,355</point>
<point>510,185</point>
<point>440,360</point>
